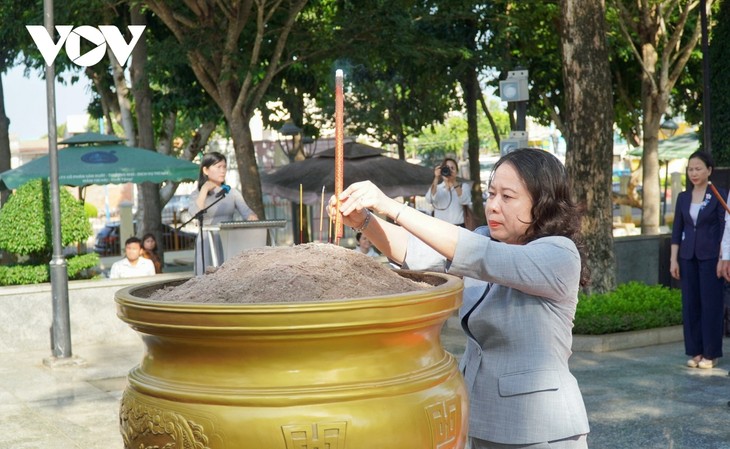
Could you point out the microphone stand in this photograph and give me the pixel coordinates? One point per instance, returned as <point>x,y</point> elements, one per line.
<point>199,217</point>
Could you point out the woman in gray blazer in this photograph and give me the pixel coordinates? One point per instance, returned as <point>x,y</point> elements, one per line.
<point>521,274</point>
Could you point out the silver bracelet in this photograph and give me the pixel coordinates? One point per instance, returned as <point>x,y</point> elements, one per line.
<point>402,208</point>
<point>365,223</point>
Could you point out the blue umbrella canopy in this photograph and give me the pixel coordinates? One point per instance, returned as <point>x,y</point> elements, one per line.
<point>80,165</point>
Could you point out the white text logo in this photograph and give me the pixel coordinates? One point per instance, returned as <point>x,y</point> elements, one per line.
<point>100,37</point>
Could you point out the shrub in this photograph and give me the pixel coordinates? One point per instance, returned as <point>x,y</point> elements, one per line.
<point>632,306</point>
<point>25,230</point>
<point>37,274</point>
<point>25,222</point>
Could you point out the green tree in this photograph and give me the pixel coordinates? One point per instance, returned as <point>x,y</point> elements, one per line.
<point>14,17</point>
<point>719,87</point>
<point>661,35</point>
<point>589,126</point>
<point>235,49</point>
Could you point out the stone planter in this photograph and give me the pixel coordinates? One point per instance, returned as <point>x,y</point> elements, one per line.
<point>627,340</point>
<point>358,374</point>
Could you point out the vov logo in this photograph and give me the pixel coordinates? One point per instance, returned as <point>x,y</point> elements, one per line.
<point>100,37</point>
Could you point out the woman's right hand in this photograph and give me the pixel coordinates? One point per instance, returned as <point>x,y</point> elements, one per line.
<point>355,219</point>
<point>357,198</point>
<point>208,186</point>
<point>674,269</point>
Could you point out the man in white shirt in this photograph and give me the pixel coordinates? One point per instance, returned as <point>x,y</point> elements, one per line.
<point>132,265</point>
<point>449,197</point>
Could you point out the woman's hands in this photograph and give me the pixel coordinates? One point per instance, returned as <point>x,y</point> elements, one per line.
<point>358,197</point>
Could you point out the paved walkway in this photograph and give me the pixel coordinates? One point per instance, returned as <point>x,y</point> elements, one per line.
<point>636,399</point>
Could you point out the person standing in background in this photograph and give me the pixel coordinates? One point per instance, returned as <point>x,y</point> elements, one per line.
<point>133,265</point>
<point>699,220</point>
<point>149,251</point>
<point>211,178</point>
<point>365,246</point>
<point>449,196</point>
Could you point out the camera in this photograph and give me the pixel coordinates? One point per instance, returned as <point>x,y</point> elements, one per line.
<point>445,171</point>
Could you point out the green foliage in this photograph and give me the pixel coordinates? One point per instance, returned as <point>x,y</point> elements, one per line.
<point>632,306</point>
<point>720,88</point>
<point>37,274</point>
<point>25,222</point>
<point>90,210</point>
<point>436,141</point>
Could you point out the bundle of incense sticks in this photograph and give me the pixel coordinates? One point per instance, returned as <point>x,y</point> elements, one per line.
<point>339,151</point>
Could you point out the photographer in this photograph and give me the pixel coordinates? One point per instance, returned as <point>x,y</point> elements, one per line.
<point>449,197</point>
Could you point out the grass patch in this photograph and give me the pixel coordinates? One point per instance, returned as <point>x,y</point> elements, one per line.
<point>632,306</point>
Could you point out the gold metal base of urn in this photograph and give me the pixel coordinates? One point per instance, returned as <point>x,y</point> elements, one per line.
<point>355,374</point>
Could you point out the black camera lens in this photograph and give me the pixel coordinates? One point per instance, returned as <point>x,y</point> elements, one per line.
<point>445,171</point>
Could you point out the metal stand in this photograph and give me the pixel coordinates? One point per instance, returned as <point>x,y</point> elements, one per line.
<point>199,217</point>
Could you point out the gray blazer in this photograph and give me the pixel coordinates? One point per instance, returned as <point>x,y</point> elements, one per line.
<point>519,304</point>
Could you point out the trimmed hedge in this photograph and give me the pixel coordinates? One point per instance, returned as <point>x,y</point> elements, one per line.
<point>37,274</point>
<point>25,230</point>
<point>632,306</point>
<point>25,222</point>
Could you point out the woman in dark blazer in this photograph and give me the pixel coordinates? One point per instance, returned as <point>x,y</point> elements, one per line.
<point>699,220</point>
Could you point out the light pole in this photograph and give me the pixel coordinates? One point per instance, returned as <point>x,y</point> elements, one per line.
<point>61,326</point>
<point>669,129</point>
<point>514,89</point>
<point>289,129</point>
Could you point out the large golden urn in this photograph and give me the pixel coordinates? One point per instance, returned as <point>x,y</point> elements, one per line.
<point>368,373</point>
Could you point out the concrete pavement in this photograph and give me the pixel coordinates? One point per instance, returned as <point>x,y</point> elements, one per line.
<point>637,398</point>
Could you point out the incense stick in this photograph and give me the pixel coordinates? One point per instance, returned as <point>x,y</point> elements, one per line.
<point>339,151</point>
<point>301,215</point>
<point>321,215</point>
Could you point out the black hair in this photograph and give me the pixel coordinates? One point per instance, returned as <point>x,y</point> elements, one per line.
<point>554,212</point>
<point>704,156</point>
<point>706,159</point>
<point>209,159</point>
<point>152,236</point>
<point>133,240</point>
<point>446,159</point>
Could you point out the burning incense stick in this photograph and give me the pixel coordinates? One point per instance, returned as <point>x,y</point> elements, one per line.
<point>339,151</point>
<point>321,215</point>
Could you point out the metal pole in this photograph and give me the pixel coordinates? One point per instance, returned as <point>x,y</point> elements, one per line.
<point>521,122</point>
<point>706,109</point>
<point>61,327</point>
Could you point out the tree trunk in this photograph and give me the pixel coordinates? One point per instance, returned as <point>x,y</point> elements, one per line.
<point>125,108</point>
<point>4,140</point>
<point>148,211</point>
<point>108,100</point>
<point>470,84</point>
<point>650,158</point>
<point>589,112</point>
<point>247,166</point>
<point>492,123</point>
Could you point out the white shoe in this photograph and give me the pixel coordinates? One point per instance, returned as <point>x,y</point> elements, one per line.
<point>707,363</point>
